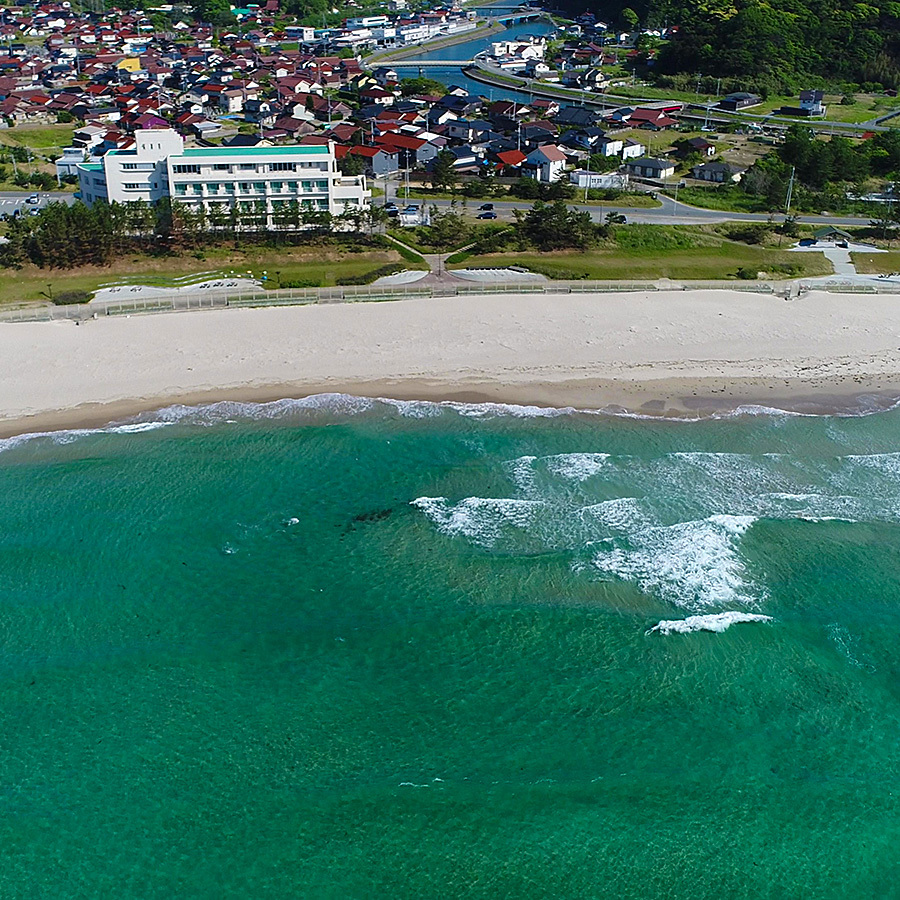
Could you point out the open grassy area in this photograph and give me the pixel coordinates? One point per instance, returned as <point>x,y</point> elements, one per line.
<point>323,263</point>
<point>712,257</point>
<point>416,236</point>
<point>38,137</point>
<point>864,107</point>
<point>724,197</point>
<point>877,263</point>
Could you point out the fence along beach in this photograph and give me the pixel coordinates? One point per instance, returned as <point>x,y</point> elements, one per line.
<point>662,352</point>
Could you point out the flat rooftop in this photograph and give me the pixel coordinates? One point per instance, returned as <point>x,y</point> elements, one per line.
<point>297,149</point>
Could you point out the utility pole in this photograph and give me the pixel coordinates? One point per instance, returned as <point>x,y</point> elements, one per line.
<point>790,191</point>
<point>587,182</point>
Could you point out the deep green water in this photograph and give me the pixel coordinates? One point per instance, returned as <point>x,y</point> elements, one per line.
<point>241,656</point>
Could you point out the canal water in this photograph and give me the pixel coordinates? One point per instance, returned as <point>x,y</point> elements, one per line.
<point>453,74</point>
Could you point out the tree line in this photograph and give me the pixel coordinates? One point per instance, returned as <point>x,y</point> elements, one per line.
<point>769,44</point>
<point>824,172</point>
<point>63,236</point>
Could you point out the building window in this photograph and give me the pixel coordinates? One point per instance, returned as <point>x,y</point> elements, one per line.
<point>282,167</point>
<point>277,185</point>
<point>259,187</point>
<point>183,169</point>
<point>222,167</point>
<point>132,186</point>
<point>229,188</point>
<point>292,185</point>
<point>248,166</point>
<point>212,188</point>
<point>198,188</point>
<point>180,189</point>
<point>321,185</point>
<point>99,182</point>
<point>245,187</point>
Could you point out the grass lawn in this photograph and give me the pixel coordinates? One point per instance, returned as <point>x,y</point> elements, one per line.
<point>877,263</point>
<point>635,199</point>
<point>38,137</point>
<point>865,107</point>
<point>315,263</point>
<point>416,236</point>
<point>711,262</point>
<point>725,197</point>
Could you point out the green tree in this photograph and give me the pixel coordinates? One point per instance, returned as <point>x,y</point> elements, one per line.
<point>443,172</point>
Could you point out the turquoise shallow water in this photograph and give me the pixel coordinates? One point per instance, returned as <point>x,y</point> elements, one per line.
<point>344,648</point>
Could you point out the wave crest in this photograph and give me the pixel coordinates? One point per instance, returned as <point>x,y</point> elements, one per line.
<point>717,622</point>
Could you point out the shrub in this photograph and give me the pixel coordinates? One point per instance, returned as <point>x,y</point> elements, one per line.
<point>369,277</point>
<point>69,298</point>
<point>295,283</point>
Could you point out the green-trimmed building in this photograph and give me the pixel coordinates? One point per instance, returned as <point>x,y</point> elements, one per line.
<point>220,179</point>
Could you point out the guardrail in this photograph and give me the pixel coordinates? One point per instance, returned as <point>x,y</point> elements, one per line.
<point>373,294</point>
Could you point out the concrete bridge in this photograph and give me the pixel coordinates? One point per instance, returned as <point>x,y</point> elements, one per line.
<point>421,63</point>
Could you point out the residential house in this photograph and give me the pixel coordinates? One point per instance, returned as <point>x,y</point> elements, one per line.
<point>739,100</point>
<point>599,181</point>
<point>545,164</point>
<point>718,172</point>
<point>650,167</point>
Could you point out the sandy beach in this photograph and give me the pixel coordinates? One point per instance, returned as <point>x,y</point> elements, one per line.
<point>673,353</point>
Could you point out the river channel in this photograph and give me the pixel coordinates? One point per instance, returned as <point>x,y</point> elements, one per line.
<point>467,50</point>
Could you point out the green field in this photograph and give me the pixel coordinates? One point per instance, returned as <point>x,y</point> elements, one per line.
<point>727,197</point>
<point>877,263</point>
<point>323,264</point>
<point>38,137</point>
<point>711,262</point>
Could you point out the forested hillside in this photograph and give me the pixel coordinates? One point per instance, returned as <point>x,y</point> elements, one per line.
<point>779,44</point>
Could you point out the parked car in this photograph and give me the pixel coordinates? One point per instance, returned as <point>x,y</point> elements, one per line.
<point>486,206</point>
<point>487,215</point>
<point>411,208</point>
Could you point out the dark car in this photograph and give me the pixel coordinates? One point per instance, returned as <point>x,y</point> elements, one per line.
<point>486,206</point>
<point>487,215</point>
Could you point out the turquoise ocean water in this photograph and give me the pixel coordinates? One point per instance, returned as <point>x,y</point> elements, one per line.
<point>348,648</point>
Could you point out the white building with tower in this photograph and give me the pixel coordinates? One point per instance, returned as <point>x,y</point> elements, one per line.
<point>221,178</point>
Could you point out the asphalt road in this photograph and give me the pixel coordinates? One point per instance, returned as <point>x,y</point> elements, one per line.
<point>669,213</point>
<point>12,200</point>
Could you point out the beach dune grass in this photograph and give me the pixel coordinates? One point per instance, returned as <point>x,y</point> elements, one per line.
<point>877,263</point>
<point>314,265</point>
<point>700,263</point>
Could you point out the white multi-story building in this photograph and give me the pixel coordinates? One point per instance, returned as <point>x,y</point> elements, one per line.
<point>221,178</point>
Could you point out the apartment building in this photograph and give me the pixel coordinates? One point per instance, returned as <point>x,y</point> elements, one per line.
<point>219,178</point>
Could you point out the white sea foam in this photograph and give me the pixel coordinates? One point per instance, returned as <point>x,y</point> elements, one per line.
<point>689,564</point>
<point>68,435</point>
<point>623,513</point>
<point>521,471</point>
<point>577,466</point>
<point>480,519</point>
<point>717,622</point>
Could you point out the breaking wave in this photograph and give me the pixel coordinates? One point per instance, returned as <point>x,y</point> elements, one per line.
<point>717,622</point>
<point>690,564</point>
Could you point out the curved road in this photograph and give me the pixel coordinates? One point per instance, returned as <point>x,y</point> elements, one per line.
<point>669,213</point>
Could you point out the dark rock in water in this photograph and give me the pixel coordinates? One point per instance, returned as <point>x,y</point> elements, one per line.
<point>374,516</point>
